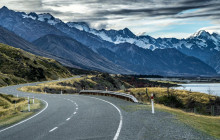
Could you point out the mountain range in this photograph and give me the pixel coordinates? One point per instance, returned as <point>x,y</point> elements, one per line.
<point>75,44</point>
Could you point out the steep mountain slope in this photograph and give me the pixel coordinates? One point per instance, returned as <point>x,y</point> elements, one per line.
<point>27,28</point>
<point>45,24</point>
<point>159,61</point>
<point>9,38</point>
<point>201,44</point>
<point>71,49</point>
<point>121,45</point>
<point>17,66</point>
<point>33,26</point>
<point>215,62</point>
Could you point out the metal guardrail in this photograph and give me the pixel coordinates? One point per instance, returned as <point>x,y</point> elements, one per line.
<point>110,93</point>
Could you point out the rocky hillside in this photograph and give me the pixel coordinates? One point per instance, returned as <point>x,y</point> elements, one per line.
<point>18,66</point>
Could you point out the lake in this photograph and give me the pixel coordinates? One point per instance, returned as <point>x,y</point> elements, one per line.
<point>213,88</point>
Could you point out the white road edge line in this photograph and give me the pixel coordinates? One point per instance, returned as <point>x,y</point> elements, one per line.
<point>28,118</point>
<point>121,117</point>
<point>53,129</point>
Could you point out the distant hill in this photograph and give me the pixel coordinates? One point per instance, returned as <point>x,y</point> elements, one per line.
<point>160,61</point>
<point>18,66</point>
<point>70,49</point>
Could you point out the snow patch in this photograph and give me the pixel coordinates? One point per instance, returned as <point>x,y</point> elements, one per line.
<point>29,16</point>
<point>102,35</point>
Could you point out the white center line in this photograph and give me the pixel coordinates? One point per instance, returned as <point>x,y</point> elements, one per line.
<point>74,113</point>
<point>53,129</point>
<point>67,119</point>
<point>77,108</point>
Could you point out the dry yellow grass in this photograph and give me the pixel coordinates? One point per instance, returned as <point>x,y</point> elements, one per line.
<point>181,94</point>
<point>54,85</point>
<point>13,113</point>
<point>207,124</point>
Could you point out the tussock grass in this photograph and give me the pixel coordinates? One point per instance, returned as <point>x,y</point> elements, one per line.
<point>181,94</point>
<point>204,123</point>
<point>11,113</point>
<point>41,88</point>
<point>18,66</point>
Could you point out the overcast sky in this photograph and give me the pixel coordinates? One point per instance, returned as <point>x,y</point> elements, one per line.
<point>158,18</point>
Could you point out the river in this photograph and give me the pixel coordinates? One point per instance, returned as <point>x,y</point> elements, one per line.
<point>210,88</point>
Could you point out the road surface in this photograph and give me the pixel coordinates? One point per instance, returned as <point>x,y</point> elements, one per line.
<point>80,117</point>
<point>66,117</point>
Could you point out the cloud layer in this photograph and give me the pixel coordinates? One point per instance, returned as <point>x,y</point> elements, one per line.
<point>119,13</point>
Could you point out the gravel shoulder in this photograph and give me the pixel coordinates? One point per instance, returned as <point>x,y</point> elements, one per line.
<point>140,124</point>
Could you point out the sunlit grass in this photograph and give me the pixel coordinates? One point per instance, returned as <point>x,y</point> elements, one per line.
<point>16,112</point>
<point>41,88</point>
<point>207,124</point>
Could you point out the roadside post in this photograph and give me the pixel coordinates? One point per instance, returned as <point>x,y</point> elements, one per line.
<point>106,88</point>
<point>29,104</point>
<point>152,103</point>
<point>33,99</point>
<point>17,95</point>
<point>61,92</point>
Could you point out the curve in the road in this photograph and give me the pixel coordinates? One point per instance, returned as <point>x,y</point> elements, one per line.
<point>95,120</point>
<point>121,117</point>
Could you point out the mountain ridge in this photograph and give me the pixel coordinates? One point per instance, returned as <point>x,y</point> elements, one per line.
<point>110,41</point>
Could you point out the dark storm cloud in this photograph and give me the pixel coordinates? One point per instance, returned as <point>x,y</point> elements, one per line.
<point>105,10</point>
<point>172,9</point>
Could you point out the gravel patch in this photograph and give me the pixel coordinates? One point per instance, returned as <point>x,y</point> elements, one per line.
<point>140,124</point>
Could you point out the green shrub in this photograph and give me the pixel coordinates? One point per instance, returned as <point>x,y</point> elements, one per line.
<point>171,101</point>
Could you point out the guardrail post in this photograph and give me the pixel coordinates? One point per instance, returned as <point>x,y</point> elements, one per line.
<point>152,103</point>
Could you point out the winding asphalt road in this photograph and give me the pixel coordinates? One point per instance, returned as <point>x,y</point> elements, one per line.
<point>67,117</point>
<point>78,117</point>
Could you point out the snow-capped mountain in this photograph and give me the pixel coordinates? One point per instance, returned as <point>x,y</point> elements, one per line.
<point>26,25</point>
<point>47,17</point>
<point>119,50</point>
<point>82,26</point>
<point>199,39</point>
<point>201,44</point>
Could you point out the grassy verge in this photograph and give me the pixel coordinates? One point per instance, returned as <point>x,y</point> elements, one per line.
<point>11,113</point>
<point>204,123</point>
<point>207,124</point>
